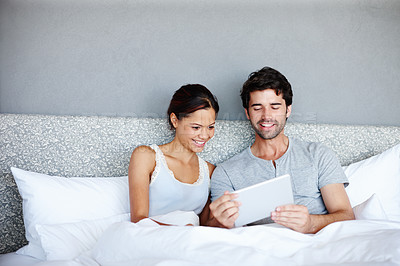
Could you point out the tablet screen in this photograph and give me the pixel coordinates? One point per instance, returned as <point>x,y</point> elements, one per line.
<point>259,200</point>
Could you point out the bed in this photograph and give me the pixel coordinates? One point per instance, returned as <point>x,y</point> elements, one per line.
<point>64,198</point>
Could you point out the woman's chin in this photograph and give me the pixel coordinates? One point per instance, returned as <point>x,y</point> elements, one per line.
<point>197,148</point>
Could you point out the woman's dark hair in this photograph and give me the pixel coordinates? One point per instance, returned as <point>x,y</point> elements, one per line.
<point>266,78</point>
<point>190,98</point>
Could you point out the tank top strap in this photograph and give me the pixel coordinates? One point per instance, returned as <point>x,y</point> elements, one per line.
<point>204,175</point>
<point>160,159</point>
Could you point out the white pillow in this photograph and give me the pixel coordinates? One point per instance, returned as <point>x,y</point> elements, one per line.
<point>371,209</point>
<point>54,200</point>
<point>67,241</point>
<point>378,175</point>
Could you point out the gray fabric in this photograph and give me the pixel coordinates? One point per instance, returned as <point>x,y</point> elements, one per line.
<point>101,146</point>
<point>311,166</point>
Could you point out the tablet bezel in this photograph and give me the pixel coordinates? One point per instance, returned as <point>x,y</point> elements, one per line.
<point>259,200</point>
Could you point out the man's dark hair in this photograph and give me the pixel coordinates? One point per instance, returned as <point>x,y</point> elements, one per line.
<point>266,78</point>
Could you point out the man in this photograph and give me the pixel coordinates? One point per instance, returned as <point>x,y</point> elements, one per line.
<point>318,180</point>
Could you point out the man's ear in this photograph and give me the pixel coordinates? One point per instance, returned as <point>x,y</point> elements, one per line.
<point>174,120</point>
<point>288,111</point>
<point>247,113</point>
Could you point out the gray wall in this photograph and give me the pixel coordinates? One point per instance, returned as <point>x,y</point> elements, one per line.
<point>126,58</point>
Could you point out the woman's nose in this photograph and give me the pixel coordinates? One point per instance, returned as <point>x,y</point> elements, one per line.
<point>204,134</point>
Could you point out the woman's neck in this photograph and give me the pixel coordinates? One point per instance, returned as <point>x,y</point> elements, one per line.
<point>177,150</point>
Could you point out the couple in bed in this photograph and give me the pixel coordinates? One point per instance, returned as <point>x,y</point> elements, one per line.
<point>172,177</point>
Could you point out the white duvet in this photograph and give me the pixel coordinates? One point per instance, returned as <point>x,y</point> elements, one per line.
<point>343,242</point>
<point>359,242</point>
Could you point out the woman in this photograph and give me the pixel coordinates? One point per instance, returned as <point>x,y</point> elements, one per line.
<point>171,176</point>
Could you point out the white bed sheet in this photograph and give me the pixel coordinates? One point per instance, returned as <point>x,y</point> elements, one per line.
<point>362,242</point>
<point>348,243</point>
<point>13,259</point>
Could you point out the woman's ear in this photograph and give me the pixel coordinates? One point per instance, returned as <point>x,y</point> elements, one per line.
<point>174,120</point>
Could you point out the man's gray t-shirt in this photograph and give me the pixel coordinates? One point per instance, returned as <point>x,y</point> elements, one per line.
<point>311,166</point>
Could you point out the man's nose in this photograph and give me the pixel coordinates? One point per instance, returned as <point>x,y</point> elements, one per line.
<point>266,114</point>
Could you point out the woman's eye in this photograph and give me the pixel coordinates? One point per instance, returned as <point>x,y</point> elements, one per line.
<point>196,128</point>
<point>211,127</point>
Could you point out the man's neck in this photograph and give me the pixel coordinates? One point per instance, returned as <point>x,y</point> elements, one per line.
<point>270,149</point>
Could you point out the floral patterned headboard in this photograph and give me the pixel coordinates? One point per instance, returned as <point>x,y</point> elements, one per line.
<point>88,146</point>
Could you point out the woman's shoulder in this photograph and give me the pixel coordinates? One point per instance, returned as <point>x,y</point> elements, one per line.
<point>145,148</point>
<point>143,152</point>
<point>143,159</point>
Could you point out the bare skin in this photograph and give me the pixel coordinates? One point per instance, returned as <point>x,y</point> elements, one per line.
<point>192,133</point>
<point>268,113</point>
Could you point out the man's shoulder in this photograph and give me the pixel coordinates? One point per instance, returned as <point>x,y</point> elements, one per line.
<point>311,146</point>
<point>314,149</point>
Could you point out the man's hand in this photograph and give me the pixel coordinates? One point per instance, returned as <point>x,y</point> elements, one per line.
<point>293,216</point>
<point>225,209</point>
<point>299,219</point>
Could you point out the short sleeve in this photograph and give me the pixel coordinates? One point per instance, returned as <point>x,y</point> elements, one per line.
<point>220,183</point>
<point>329,169</point>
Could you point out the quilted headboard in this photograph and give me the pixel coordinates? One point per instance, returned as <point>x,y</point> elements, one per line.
<point>101,146</point>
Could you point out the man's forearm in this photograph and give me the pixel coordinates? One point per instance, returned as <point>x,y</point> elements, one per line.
<point>319,221</point>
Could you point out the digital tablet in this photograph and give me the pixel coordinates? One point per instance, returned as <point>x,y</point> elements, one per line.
<point>259,200</point>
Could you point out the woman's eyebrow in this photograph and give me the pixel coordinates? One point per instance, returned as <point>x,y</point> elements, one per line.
<point>197,124</point>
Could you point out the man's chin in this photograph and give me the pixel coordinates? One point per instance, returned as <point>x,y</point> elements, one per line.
<point>268,135</point>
